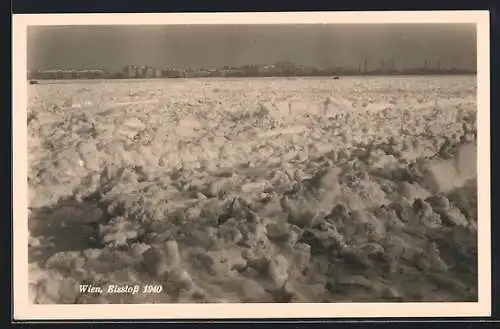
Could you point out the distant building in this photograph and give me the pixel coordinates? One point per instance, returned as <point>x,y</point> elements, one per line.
<point>188,73</point>
<point>157,73</point>
<point>68,74</point>
<point>285,66</point>
<point>171,73</point>
<point>141,72</point>
<point>229,71</point>
<point>265,68</point>
<point>148,72</point>
<point>201,73</point>
<point>213,72</point>
<point>308,69</point>
<point>130,71</point>
<point>92,74</point>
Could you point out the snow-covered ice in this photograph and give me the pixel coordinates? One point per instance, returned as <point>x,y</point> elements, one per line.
<point>254,190</point>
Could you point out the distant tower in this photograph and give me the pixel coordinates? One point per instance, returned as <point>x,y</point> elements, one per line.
<point>366,66</point>
<point>439,65</point>
<point>425,65</point>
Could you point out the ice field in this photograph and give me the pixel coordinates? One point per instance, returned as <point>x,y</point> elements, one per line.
<point>254,190</point>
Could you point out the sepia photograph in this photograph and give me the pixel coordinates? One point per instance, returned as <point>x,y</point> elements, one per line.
<point>327,161</point>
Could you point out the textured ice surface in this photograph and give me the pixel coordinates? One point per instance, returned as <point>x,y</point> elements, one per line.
<point>254,190</point>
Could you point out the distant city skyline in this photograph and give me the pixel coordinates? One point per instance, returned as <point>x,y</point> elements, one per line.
<point>211,46</point>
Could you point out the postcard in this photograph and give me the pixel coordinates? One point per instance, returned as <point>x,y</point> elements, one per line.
<point>251,165</point>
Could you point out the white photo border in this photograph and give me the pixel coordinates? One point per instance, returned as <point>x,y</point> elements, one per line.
<point>23,310</point>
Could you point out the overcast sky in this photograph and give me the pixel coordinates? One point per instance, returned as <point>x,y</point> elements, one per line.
<point>112,47</point>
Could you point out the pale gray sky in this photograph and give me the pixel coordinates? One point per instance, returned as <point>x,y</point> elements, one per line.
<point>112,47</point>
